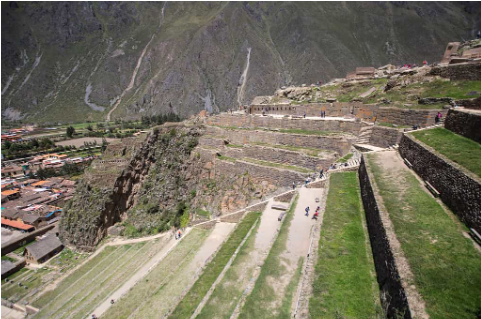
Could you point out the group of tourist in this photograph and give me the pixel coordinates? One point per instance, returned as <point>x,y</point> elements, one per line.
<point>323,113</point>
<point>316,214</point>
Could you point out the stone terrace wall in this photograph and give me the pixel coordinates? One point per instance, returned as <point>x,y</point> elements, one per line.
<point>279,156</point>
<point>465,123</point>
<point>252,121</point>
<point>274,176</point>
<point>395,301</point>
<point>384,136</point>
<point>460,191</point>
<point>469,71</point>
<point>358,110</point>
<point>339,144</point>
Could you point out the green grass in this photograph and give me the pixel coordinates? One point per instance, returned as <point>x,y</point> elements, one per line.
<point>202,213</point>
<point>19,250</point>
<point>234,145</point>
<point>445,264</point>
<point>344,274</point>
<point>9,259</point>
<point>277,165</point>
<point>192,299</point>
<point>226,158</point>
<point>273,269</point>
<point>454,89</point>
<point>311,151</point>
<point>345,158</point>
<point>229,291</point>
<point>457,148</point>
<point>32,280</point>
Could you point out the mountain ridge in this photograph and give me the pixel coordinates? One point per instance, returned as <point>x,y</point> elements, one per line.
<point>83,61</point>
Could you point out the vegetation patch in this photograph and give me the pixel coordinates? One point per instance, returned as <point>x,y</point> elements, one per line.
<point>345,158</point>
<point>457,148</point>
<point>311,151</point>
<point>277,165</point>
<point>445,264</point>
<point>274,268</point>
<point>195,295</point>
<point>344,273</point>
<point>228,292</point>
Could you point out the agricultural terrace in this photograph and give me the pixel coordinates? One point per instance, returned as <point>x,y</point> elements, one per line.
<point>445,263</point>
<point>457,148</point>
<point>94,281</point>
<point>345,283</point>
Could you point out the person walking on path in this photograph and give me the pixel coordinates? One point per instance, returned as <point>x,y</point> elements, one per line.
<point>307,211</point>
<point>293,185</point>
<point>321,173</point>
<point>304,114</point>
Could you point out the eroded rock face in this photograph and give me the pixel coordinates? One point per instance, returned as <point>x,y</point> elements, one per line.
<point>164,180</point>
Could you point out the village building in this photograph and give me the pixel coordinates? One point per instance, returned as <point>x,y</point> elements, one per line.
<point>12,171</point>
<point>16,225</point>
<point>43,249</point>
<point>11,194</point>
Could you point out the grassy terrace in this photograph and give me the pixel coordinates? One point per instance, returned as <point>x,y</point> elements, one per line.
<point>229,290</point>
<point>445,264</point>
<point>457,148</point>
<point>290,131</point>
<point>273,270</point>
<point>89,285</point>
<point>266,163</point>
<point>277,165</point>
<point>345,158</point>
<point>192,299</point>
<point>311,151</point>
<point>345,285</point>
<point>150,297</point>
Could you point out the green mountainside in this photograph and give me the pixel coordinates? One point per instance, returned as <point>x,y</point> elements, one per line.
<point>74,61</point>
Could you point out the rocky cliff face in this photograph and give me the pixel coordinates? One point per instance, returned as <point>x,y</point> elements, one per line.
<point>151,186</point>
<point>97,60</point>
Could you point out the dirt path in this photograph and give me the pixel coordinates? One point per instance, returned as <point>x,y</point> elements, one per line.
<point>139,274</point>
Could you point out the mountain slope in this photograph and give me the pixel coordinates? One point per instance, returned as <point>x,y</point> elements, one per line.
<point>81,60</point>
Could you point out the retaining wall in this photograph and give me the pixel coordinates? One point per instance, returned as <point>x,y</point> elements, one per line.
<point>465,123</point>
<point>340,144</point>
<point>393,296</point>
<point>274,176</point>
<point>278,156</point>
<point>255,121</point>
<point>356,110</point>
<point>468,71</point>
<point>459,190</point>
<point>384,136</point>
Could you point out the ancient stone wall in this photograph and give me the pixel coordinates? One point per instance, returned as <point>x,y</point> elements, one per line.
<point>339,144</point>
<point>252,121</point>
<point>279,156</point>
<point>465,123</point>
<point>459,190</point>
<point>286,197</point>
<point>271,175</point>
<point>468,71</point>
<point>384,136</point>
<point>393,296</point>
<point>367,112</point>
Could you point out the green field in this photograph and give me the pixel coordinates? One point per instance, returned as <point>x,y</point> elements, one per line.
<point>345,285</point>
<point>157,292</point>
<point>445,264</point>
<point>457,148</point>
<point>229,290</point>
<point>32,279</point>
<point>195,295</point>
<point>258,303</point>
<point>83,290</point>
<point>345,158</point>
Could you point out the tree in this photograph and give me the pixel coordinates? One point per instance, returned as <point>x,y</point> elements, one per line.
<point>70,131</point>
<point>90,128</point>
<point>7,144</point>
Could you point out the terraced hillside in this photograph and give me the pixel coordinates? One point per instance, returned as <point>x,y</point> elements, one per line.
<point>438,264</point>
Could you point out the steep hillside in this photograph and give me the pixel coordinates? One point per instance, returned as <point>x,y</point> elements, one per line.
<point>98,60</point>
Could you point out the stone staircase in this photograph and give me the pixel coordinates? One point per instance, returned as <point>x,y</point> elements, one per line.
<point>364,135</point>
